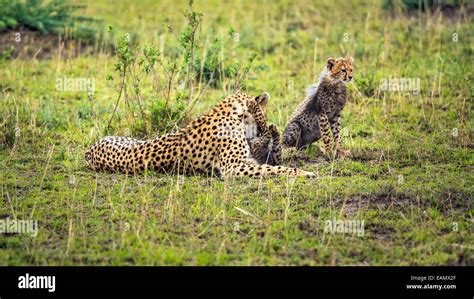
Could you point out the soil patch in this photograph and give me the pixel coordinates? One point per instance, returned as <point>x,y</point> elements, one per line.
<point>28,44</point>
<point>384,201</point>
<point>445,204</point>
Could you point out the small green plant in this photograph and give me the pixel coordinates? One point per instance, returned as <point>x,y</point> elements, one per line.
<point>175,80</point>
<point>126,57</point>
<point>136,64</point>
<point>188,44</point>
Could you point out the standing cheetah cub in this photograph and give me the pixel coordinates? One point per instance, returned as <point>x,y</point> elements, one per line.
<point>319,113</point>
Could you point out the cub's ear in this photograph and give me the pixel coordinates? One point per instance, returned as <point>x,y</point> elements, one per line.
<point>262,99</point>
<point>350,59</point>
<point>331,61</point>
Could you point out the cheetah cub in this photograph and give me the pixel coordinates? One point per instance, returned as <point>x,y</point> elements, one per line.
<point>263,140</point>
<point>319,112</point>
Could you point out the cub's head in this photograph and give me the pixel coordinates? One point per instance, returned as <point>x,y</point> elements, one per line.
<point>340,69</point>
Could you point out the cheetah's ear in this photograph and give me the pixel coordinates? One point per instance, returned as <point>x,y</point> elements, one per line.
<point>262,99</point>
<point>351,60</point>
<point>331,61</point>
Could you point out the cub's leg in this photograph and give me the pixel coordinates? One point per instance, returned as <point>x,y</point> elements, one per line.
<point>325,132</point>
<point>336,133</point>
<point>291,135</point>
<point>276,146</point>
<point>259,147</point>
<point>266,149</point>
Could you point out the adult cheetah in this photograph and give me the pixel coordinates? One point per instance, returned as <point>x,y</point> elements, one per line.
<point>215,143</point>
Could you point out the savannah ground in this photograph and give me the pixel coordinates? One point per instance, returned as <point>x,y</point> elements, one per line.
<point>410,177</point>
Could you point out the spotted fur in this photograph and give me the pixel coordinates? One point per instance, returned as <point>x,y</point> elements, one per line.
<point>318,115</point>
<point>215,143</point>
<point>264,143</point>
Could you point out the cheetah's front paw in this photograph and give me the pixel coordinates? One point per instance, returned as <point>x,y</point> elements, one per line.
<point>325,151</point>
<point>274,130</point>
<point>308,174</point>
<point>344,153</point>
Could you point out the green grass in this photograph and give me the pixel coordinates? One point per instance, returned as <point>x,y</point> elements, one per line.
<point>410,179</point>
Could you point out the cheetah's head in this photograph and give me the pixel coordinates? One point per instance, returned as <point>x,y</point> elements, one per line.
<point>340,69</point>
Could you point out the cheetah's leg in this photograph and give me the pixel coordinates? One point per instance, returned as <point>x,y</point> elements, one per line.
<point>265,152</point>
<point>276,146</point>
<point>336,130</point>
<point>336,133</point>
<point>325,132</point>
<point>233,164</point>
<point>241,169</point>
<point>259,147</point>
<point>291,135</point>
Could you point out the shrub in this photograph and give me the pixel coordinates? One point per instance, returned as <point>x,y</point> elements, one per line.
<point>174,87</point>
<point>163,117</point>
<point>55,16</point>
<point>413,5</point>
